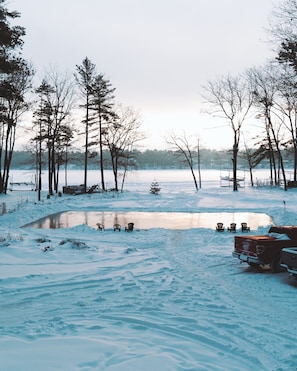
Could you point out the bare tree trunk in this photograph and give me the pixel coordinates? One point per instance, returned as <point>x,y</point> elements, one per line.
<point>184,150</point>
<point>280,158</point>
<point>101,153</point>
<point>198,164</point>
<point>86,146</point>
<point>234,161</point>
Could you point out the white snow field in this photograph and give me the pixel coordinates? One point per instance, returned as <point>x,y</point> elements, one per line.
<point>152,299</point>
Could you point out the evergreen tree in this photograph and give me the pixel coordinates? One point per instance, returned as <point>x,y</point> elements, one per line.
<point>102,104</point>
<point>15,79</point>
<point>43,118</point>
<point>85,78</point>
<point>155,188</point>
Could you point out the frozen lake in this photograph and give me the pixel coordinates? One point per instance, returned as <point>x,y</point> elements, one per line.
<point>140,180</point>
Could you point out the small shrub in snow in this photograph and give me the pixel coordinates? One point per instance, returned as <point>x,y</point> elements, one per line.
<point>9,237</point>
<point>48,248</point>
<point>42,240</point>
<point>75,244</point>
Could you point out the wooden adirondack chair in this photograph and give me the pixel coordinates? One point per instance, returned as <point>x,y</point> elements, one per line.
<point>100,226</point>
<point>117,227</point>
<point>220,227</point>
<point>232,227</point>
<point>244,227</point>
<point>130,227</point>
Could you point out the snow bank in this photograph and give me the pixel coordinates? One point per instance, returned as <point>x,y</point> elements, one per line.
<point>83,299</point>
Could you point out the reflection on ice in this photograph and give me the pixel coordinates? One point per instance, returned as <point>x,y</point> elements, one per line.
<point>148,220</point>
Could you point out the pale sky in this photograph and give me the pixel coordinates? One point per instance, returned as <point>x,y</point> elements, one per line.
<point>157,53</point>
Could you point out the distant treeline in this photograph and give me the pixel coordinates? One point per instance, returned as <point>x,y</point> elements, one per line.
<point>149,159</point>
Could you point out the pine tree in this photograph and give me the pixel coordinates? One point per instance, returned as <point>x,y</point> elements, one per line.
<point>15,80</point>
<point>155,188</point>
<point>85,79</point>
<point>102,104</point>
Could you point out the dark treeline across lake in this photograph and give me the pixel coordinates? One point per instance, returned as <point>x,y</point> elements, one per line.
<point>149,159</point>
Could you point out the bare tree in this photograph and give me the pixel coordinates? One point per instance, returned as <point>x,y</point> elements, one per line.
<point>283,23</point>
<point>184,150</point>
<point>62,101</point>
<point>253,156</point>
<point>231,99</point>
<point>283,29</point>
<point>52,117</point>
<point>121,137</point>
<point>265,86</point>
<point>287,105</point>
<point>57,91</point>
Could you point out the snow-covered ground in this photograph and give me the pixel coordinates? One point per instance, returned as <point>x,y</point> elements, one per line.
<point>153,299</point>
